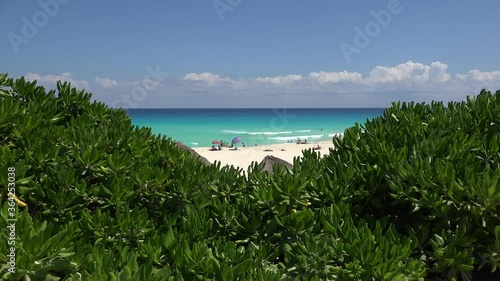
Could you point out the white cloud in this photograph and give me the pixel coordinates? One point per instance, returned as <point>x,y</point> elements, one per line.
<point>438,72</point>
<point>280,80</point>
<point>209,78</point>
<point>53,78</point>
<point>480,76</point>
<point>383,84</point>
<point>150,84</point>
<point>105,82</point>
<point>409,73</point>
<point>335,77</point>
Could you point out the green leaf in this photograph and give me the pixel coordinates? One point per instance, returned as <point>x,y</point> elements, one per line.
<point>112,277</point>
<point>497,236</point>
<point>126,274</point>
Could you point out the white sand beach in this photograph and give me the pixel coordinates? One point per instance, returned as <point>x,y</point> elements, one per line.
<point>244,156</point>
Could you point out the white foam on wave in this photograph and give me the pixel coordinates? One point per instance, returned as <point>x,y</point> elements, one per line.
<point>194,143</point>
<point>336,134</point>
<point>296,137</point>
<point>269,133</point>
<point>303,131</point>
<point>254,133</point>
<point>234,132</point>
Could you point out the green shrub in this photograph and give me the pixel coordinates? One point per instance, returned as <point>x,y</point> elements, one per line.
<point>434,172</point>
<point>410,195</point>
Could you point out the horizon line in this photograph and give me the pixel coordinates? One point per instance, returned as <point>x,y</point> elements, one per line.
<point>249,108</point>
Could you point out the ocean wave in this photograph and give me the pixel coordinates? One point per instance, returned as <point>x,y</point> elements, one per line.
<point>254,133</point>
<point>234,132</point>
<point>269,133</point>
<point>303,131</point>
<point>194,143</point>
<point>296,137</point>
<point>333,135</point>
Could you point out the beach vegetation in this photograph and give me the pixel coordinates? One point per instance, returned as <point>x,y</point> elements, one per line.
<point>410,195</point>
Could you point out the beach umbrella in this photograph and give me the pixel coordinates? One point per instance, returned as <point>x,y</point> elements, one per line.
<point>216,142</point>
<point>236,140</point>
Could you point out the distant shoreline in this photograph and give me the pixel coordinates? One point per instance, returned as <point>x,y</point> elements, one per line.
<point>244,156</point>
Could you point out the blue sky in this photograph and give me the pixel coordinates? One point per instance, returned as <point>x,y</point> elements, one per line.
<point>255,53</point>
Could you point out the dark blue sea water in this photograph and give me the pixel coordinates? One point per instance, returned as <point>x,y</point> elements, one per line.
<point>199,127</point>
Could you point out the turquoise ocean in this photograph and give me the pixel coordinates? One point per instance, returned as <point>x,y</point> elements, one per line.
<point>199,127</point>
